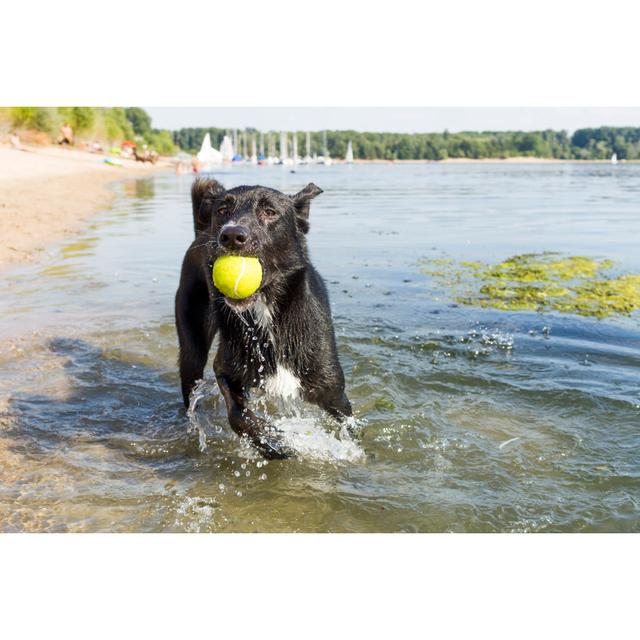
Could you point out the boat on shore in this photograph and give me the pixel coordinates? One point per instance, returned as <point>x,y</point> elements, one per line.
<point>208,156</point>
<point>325,158</point>
<point>349,156</point>
<point>226,149</point>
<point>307,158</point>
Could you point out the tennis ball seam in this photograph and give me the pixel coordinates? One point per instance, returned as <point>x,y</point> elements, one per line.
<point>242,270</point>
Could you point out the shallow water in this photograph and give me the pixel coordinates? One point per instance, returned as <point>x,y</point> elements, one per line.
<point>470,419</point>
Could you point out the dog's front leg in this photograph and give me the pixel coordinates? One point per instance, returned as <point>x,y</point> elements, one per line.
<point>337,405</point>
<point>196,329</point>
<point>246,423</point>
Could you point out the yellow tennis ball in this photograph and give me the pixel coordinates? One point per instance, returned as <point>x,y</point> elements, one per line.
<point>237,277</point>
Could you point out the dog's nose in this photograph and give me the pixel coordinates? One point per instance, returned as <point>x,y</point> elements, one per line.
<point>234,237</point>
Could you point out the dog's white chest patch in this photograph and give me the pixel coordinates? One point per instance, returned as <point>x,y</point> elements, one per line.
<point>283,384</point>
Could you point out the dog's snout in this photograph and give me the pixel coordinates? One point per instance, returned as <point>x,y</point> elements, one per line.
<point>234,237</point>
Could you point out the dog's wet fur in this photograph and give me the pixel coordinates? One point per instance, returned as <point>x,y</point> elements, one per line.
<point>280,339</point>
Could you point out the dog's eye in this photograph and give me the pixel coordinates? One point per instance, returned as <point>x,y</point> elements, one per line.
<point>222,210</point>
<point>269,213</point>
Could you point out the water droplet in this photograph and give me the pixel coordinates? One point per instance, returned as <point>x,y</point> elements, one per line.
<point>236,474</point>
<point>263,476</point>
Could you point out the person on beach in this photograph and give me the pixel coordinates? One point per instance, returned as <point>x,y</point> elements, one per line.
<point>66,134</point>
<point>14,141</point>
<point>195,164</point>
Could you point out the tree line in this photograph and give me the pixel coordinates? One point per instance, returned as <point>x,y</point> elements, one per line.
<point>584,144</point>
<point>115,124</point>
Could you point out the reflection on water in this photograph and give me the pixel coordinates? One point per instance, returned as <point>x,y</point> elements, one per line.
<point>470,419</point>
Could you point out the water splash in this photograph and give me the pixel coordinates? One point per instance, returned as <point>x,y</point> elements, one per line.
<point>304,429</point>
<point>308,431</point>
<point>200,420</point>
<point>311,440</point>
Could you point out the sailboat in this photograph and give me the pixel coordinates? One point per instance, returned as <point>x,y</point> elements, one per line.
<point>614,158</point>
<point>326,158</point>
<point>308,159</point>
<point>236,146</point>
<point>271,157</point>
<point>226,149</point>
<point>284,149</point>
<point>349,157</point>
<point>208,156</point>
<point>295,159</point>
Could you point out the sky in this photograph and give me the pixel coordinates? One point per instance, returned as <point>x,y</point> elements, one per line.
<point>395,119</point>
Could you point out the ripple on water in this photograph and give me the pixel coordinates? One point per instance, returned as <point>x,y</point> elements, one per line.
<point>469,419</point>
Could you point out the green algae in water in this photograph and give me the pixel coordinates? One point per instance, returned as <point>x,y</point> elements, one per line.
<point>384,404</point>
<point>541,282</point>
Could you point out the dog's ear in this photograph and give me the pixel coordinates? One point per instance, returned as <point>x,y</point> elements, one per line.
<point>200,190</point>
<point>302,201</point>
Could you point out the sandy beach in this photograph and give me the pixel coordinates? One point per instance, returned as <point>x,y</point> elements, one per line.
<point>49,192</point>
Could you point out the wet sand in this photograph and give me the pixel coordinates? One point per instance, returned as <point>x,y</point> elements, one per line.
<point>49,192</point>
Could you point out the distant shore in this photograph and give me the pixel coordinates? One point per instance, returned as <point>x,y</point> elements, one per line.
<point>49,192</point>
<point>513,160</point>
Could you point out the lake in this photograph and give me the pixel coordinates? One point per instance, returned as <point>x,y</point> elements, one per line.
<point>470,419</point>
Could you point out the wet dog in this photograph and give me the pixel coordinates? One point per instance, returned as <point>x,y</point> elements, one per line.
<point>280,339</point>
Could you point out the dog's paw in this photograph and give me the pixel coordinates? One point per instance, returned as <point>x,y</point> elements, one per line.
<point>272,446</point>
<point>264,437</point>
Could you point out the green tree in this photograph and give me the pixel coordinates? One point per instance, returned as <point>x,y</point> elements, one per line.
<point>162,142</point>
<point>31,118</point>
<point>81,119</point>
<point>117,126</point>
<point>140,120</point>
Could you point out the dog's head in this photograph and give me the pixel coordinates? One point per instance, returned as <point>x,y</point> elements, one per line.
<point>254,221</point>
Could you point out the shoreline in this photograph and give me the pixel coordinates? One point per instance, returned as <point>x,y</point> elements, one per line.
<point>48,193</point>
<point>512,160</point>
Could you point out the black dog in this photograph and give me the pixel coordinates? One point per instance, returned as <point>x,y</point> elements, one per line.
<point>280,339</point>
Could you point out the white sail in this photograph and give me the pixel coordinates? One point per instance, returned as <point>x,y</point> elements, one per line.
<point>284,151</point>
<point>349,157</point>
<point>326,158</point>
<point>226,149</point>
<point>296,160</point>
<point>271,156</point>
<point>254,151</point>
<point>207,154</point>
<point>614,158</point>
<point>308,159</point>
